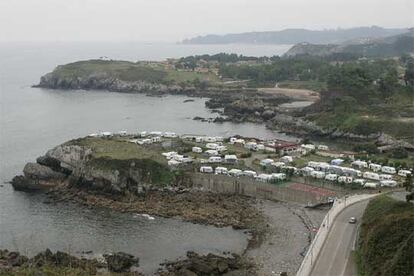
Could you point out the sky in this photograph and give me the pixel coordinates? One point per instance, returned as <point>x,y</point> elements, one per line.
<point>174,20</point>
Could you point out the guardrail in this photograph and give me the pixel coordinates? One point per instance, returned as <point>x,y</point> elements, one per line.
<point>314,250</point>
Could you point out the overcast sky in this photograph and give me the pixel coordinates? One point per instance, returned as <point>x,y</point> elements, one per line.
<point>173,20</point>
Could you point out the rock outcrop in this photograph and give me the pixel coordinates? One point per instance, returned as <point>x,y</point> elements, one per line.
<point>120,262</point>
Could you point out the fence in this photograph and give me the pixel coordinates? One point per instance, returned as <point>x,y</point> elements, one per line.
<point>249,187</point>
<point>319,240</point>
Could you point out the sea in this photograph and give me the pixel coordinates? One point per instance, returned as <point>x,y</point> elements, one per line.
<point>33,120</point>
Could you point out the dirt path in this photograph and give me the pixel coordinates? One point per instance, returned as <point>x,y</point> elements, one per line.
<point>296,94</point>
<point>288,237</point>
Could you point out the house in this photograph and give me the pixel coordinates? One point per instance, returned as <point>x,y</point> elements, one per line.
<point>221,170</point>
<point>235,172</point>
<point>230,158</point>
<point>197,150</point>
<point>206,169</point>
<point>286,159</point>
<point>283,147</point>
<point>266,162</point>
<point>337,161</point>
<point>387,169</point>
<point>215,159</point>
<point>404,173</point>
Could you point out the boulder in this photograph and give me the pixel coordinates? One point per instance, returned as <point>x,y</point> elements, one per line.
<point>121,262</point>
<point>41,172</point>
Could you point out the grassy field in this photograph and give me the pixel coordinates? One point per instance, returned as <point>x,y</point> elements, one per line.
<point>386,241</point>
<point>130,71</point>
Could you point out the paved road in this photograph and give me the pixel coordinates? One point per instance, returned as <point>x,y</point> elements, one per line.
<point>335,258</point>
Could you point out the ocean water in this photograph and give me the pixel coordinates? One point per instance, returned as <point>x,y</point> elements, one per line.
<point>33,120</point>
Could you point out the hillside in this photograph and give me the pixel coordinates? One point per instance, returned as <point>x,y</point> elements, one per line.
<point>386,241</point>
<point>396,45</point>
<point>294,36</point>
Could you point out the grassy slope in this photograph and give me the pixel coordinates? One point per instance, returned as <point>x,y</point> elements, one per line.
<point>129,71</point>
<point>387,238</point>
<point>113,154</point>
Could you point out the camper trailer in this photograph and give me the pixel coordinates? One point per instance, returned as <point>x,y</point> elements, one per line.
<point>215,159</point>
<point>278,176</point>
<point>371,185</point>
<point>264,177</point>
<point>206,169</point>
<point>388,183</point>
<point>385,177</point>
<point>387,169</point>
<point>235,172</point>
<point>249,173</point>
<point>221,170</point>
<point>286,159</point>
<point>375,167</point>
<point>230,159</point>
<point>358,164</point>
<point>360,181</point>
<point>197,150</point>
<point>318,174</point>
<point>345,179</point>
<point>404,173</point>
<point>331,177</point>
<point>266,162</point>
<point>371,176</point>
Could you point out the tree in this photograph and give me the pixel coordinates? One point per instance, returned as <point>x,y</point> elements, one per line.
<point>409,186</point>
<point>409,74</point>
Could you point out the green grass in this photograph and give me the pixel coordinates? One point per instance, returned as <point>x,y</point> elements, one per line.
<point>129,71</point>
<point>386,241</point>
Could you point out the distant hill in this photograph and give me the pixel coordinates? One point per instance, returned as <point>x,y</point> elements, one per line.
<point>294,36</point>
<point>395,45</point>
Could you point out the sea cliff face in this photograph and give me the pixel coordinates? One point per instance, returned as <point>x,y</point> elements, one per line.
<point>104,81</point>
